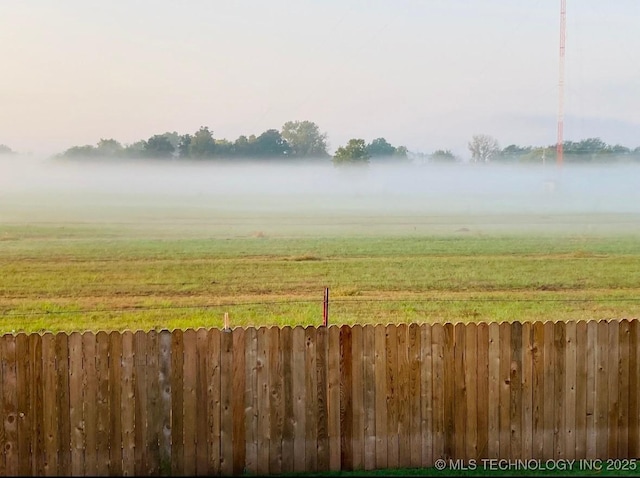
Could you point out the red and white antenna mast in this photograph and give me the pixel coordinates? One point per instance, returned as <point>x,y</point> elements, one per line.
<point>563,34</point>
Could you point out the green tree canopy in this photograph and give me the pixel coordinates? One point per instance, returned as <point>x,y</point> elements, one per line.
<point>353,153</point>
<point>270,144</point>
<point>442,156</point>
<point>379,147</point>
<point>109,148</point>
<point>159,146</point>
<point>202,144</point>
<point>304,139</point>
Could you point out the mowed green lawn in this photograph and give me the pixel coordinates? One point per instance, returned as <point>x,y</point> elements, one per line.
<point>98,278</point>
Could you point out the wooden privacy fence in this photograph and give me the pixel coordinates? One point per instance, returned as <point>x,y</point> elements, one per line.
<point>273,400</point>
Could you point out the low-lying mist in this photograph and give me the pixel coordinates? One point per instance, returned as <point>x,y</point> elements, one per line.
<point>281,199</point>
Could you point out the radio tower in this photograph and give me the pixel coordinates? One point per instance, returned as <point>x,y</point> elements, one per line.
<point>563,28</point>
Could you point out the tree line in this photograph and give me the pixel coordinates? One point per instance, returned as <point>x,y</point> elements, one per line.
<point>296,140</point>
<point>303,140</point>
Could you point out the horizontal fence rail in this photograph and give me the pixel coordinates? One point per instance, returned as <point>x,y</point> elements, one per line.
<point>276,400</point>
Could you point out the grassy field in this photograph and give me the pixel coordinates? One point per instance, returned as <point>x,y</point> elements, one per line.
<point>106,277</point>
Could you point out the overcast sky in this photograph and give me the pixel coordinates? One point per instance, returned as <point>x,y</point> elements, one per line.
<point>425,74</point>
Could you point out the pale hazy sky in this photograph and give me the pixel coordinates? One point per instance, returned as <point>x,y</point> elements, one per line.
<point>427,74</point>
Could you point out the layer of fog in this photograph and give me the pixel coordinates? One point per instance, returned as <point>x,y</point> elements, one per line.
<point>34,191</point>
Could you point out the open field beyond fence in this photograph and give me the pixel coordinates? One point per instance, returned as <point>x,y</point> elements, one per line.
<point>274,400</point>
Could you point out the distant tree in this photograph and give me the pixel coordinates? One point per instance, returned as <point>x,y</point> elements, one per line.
<point>242,147</point>
<point>354,153</point>
<point>442,156</point>
<point>270,144</point>
<point>305,139</point>
<point>224,148</point>
<point>379,147</point>
<point>135,150</point>
<point>512,153</point>
<point>109,148</point>
<point>4,149</point>
<point>173,137</point>
<point>401,152</point>
<point>75,152</point>
<point>483,148</point>
<point>184,146</point>
<point>202,144</point>
<point>158,146</point>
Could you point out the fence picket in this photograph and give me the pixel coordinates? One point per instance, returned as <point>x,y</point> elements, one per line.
<point>250,400</point>
<point>437,357</point>
<point>127,394</point>
<point>322,414</point>
<point>286,343</point>
<point>190,409</point>
<point>415,390</point>
<point>115,393</point>
<point>622,425</point>
<point>581,391</point>
<point>102,403</point>
<point>403,403</point>
<point>226,398</point>
<point>333,396</point>
<point>299,399</point>
<point>471,391</point>
<point>76,405</point>
<point>208,385</point>
<point>570,390</point>
<point>276,403</point>
<point>177,401</point>
<point>264,426</point>
<point>369,397</point>
<point>483,390</point>
<point>25,396</point>
<point>426,402</point>
<point>357,397</point>
<point>90,403</point>
<point>236,397</point>
<point>459,391</point>
<point>380,395</point>
<point>50,416</point>
<point>36,408</point>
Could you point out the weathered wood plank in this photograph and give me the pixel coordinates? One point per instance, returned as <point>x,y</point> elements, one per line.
<point>50,415</point>
<point>286,343</point>
<point>333,396</point>
<point>393,460</point>
<point>10,405</point>
<point>581,390</point>
<point>357,397</point>
<point>102,402</point>
<point>612,411</point>
<point>483,390</point>
<point>321,400</point>
<point>264,425</point>
<point>415,389</point>
<point>276,403</point>
<point>591,410</point>
<point>128,398</point>
<point>459,391</point>
<point>346,401</point>
<point>527,390</point>
<point>381,395</point>
<point>251,401</point>
<point>493,433</point>
<point>3,471</point>
<point>570,390</point>
<point>75,404</point>
<point>449,391</point>
<point>164,384</point>
<point>634,384</point>
<point>311,393</point>
<point>369,398</point>
<point>62,402</point>
<point>299,399</point>
<point>237,401</point>
<point>90,404</point>
<point>403,403</point>
<point>437,357</point>
<point>207,447</point>
<point>25,395</point>
<point>426,396</point>
<point>471,391</point>
<point>36,405</point>
<point>141,410</point>
<point>505,390</point>
<point>226,399</point>
<point>115,395</point>
<point>538,386</point>
<point>559,346</point>
<point>190,400</point>
<point>549,392</point>
<point>515,392</point>
<point>623,389</point>
<point>154,417</point>
<point>602,395</point>
<point>177,402</point>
